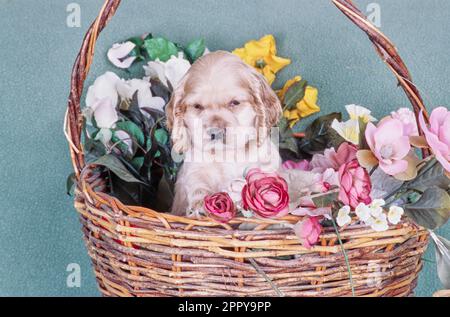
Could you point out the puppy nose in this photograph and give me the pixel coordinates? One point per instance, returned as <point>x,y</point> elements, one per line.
<point>215,133</point>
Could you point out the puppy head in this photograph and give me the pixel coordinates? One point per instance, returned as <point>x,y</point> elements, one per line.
<point>221,100</point>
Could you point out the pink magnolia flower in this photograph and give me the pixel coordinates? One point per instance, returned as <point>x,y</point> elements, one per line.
<point>408,119</point>
<point>308,231</point>
<point>220,207</point>
<point>355,184</point>
<point>266,194</point>
<point>332,159</point>
<point>389,145</point>
<point>302,165</point>
<point>438,135</point>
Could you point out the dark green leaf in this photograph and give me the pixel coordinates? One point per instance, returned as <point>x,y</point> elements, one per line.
<point>320,136</point>
<point>432,210</point>
<point>137,162</point>
<point>431,174</point>
<point>289,144</point>
<point>133,130</point>
<point>159,89</point>
<point>116,166</point>
<point>362,135</point>
<point>136,41</point>
<point>295,94</point>
<point>195,49</point>
<point>160,48</point>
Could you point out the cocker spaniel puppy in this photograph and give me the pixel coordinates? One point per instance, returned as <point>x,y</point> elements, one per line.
<point>220,117</point>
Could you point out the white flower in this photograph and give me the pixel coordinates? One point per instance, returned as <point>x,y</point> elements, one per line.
<point>127,89</point>
<point>169,73</point>
<point>348,130</point>
<point>376,207</point>
<point>357,112</point>
<point>395,214</point>
<point>103,87</point>
<point>105,114</point>
<point>363,212</point>
<point>378,224</point>
<point>104,135</point>
<point>343,218</point>
<point>119,54</point>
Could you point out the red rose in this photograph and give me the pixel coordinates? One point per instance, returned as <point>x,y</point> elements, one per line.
<point>266,194</point>
<point>220,207</point>
<point>355,186</point>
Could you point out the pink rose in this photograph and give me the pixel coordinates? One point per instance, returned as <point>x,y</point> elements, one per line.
<point>266,194</point>
<point>408,119</point>
<point>220,207</point>
<point>308,231</point>
<point>438,135</point>
<point>355,186</point>
<point>325,181</point>
<point>332,159</point>
<point>389,145</point>
<point>302,165</point>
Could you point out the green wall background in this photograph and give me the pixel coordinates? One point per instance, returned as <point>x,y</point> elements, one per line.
<point>40,232</point>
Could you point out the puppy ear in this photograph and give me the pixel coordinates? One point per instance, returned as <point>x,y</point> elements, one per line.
<point>268,105</point>
<point>175,111</point>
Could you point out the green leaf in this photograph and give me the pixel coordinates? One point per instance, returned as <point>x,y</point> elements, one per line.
<point>325,200</point>
<point>160,48</point>
<point>117,167</point>
<point>442,246</point>
<point>136,41</point>
<point>289,144</point>
<point>70,184</point>
<point>295,94</point>
<point>161,136</point>
<point>195,49</point>
<point>362,135</point>
<point>432,174</point>
<point>432,210</point>
<point>133,130</point>
<point>137,162</point>
<point>320,136</point>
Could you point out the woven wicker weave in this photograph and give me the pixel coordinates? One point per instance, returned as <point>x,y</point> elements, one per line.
<point>140,252</point>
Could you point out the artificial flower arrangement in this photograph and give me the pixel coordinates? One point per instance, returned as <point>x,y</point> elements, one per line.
<point>366,171</point>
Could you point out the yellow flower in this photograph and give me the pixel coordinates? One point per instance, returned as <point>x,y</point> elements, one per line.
<point>305,107</point>
<point>357,112</point>
<point>261,54</point>
<point>348,130</point>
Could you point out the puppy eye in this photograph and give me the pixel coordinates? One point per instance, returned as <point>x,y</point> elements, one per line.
<point>234,103</point>
<point>198,106</point>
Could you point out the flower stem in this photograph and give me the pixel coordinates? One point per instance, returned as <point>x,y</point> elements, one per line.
<point>266,277</point>
<point>345,256</point>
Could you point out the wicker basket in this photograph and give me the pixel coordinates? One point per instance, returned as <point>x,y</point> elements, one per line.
<point>140,252</point>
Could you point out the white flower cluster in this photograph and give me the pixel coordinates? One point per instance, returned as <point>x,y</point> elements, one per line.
<point>103,98</point>
<point>372,215</point>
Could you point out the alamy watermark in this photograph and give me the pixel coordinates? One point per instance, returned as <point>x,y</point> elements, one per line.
<point>74,277</point>
<point>73,19</point>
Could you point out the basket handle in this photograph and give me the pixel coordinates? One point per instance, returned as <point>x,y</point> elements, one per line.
<point>73,119</point>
